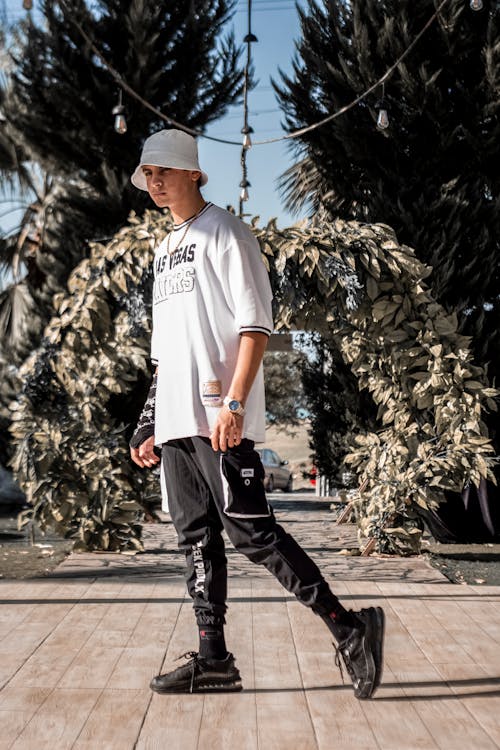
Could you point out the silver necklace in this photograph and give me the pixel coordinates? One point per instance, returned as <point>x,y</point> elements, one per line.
<point>190,221</point>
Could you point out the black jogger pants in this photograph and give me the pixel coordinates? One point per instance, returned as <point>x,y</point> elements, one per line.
<point>210,491</point>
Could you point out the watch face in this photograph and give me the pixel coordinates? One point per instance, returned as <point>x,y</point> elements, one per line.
<point>233,405</point>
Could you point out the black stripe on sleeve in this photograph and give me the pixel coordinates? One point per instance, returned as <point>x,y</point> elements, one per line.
<point>257,329</point>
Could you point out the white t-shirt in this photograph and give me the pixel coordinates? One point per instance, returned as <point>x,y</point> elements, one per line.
<point>210,290</point>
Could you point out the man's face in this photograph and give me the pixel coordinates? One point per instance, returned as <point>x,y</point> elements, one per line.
<point>168,186</point>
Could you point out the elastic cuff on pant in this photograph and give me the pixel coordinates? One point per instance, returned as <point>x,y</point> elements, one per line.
<point>210,620</point>
<point>326,606</point>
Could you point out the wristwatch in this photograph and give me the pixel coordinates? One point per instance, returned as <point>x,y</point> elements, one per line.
<point>234,406</point>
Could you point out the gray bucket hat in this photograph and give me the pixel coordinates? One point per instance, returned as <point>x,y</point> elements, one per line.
<point>168,148</point>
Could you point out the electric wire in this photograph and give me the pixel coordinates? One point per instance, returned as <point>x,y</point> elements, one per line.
<point>288,136</point>
<point>358,99</point>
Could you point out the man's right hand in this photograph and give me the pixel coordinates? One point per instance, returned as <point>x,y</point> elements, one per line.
<point>144,455</point>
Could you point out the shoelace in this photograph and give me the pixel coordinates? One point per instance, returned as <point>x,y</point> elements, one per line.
<point>193,655</point>
<point>338,662</point>
<point>346,658</point>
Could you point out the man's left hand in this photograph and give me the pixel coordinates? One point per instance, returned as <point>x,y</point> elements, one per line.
<point>227,431</point>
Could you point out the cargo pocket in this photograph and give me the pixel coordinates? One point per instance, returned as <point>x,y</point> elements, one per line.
<point>242,477</point>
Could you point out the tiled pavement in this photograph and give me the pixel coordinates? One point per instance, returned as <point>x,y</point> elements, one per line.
<point>307,518</point>
<point>79,649</point>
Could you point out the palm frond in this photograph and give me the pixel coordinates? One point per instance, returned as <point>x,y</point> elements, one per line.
<point>15,304</point>
<point>302,186</point>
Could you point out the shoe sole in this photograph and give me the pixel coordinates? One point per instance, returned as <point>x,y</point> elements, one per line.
<point>232,687</point>
<point>375,633</point>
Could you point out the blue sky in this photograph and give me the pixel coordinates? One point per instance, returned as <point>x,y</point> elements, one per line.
<point>275,23</point>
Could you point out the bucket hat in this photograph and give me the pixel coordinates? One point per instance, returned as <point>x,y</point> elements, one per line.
<point>168,148</point>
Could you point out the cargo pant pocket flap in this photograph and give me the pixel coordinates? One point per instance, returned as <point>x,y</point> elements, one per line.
<point>244,494</point>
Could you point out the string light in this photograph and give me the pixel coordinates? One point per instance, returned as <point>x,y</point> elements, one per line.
<point>119,113</point>
<point>382,119</point>
<point>249,39</point>
<point>244,184</point>
<point>120,123</point>
<point>382,116</point>
<point>247,141</point>
<point>252,38</point>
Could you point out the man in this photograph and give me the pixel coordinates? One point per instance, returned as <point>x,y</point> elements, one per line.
<point>211,322</point>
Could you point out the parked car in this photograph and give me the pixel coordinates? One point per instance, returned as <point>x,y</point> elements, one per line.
<point>12,499</point>
<point>278,476</point>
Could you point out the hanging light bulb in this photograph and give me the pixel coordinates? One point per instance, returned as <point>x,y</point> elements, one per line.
<point>382,115</point>
<point>249,38</point>
<point>244,184</point>
<point>28,4</point>
<point>119,113</point>
<point>476,4</point>
<point>382,119</point>
<point>120,121</point>
<point>247,141</point>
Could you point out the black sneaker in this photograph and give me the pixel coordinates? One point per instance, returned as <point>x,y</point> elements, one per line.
<point>362,652</point>
<point>200,675</point>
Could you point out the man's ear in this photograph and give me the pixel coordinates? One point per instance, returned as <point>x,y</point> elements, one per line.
<point>195,175</point>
